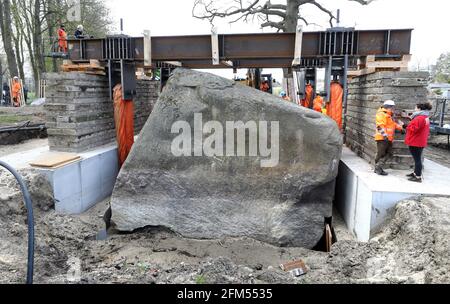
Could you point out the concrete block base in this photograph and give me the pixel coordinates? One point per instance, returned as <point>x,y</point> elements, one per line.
<point>366,200</point>
<point>81,185</point>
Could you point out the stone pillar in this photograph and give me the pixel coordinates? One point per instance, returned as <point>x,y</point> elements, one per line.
<point>147,93</point>
<point>366,95</point>
<point>80,114</point>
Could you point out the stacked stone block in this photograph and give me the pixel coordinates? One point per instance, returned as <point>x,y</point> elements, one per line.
<point>366,95</point>
<point>80,114</point>
<point>147,93</point>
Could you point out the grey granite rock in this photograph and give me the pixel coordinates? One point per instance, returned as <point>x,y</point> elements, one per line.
<point>212,197</point>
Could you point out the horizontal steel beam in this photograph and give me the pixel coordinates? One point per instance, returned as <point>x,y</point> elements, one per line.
<point>270,50</point>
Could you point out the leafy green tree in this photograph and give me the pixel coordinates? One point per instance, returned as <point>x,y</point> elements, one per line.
<point>441,72</point>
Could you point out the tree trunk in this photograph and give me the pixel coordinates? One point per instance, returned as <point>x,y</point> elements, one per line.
<point>291,21</point>
<point>19,54</point>
<point>6,30</point>
<point>22,52</point>
<point>1,78</point>
<point>51,22</point>
<point>27,35</point>
<point>51,30</point>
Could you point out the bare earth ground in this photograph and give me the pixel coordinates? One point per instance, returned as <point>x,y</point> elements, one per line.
<point>412,248</point>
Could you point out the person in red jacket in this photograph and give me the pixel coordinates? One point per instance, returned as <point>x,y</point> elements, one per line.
<point>417,135</point>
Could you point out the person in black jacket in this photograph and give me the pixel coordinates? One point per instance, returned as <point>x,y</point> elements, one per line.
<point>6,94</point>
<point>79,33</point>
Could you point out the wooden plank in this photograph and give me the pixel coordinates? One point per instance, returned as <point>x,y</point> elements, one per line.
<point>95,63</point>
<point>371,65</point>
<point>361,72</point>
<point>370,58</point>
<point>66,164</point>
<point>22,94</point>
<point>328,238</point>
<point>82,67</point>
<point>55,160</point>
<point>95,73</point>
<point>387,64</point>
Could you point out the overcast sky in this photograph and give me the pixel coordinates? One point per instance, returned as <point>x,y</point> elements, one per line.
<point>430,20</point>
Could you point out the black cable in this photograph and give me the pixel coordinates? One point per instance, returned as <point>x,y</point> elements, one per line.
<point>30,217</point>
<point>35,127</point>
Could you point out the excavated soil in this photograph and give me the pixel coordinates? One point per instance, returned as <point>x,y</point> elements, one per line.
<point>412,248</point>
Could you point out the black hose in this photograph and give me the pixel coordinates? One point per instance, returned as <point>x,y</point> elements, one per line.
<point>19,127</point>
<point>40,127</point>
<point>30,217</point>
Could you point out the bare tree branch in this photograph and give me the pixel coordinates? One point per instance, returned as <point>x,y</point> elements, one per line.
<point>323,9</point>
<point>247,11</point>
<point>211,13</point>
<point>275,6</point>
<point>303,19</point>
<point>278,25</point>
<point>363,2</point>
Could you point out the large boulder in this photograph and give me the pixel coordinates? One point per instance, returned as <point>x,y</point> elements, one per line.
<point>209,193</point>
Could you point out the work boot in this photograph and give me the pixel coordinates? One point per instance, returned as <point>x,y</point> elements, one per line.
<point>410,175</point>
<point>415,179</point>
<point>380,171</point>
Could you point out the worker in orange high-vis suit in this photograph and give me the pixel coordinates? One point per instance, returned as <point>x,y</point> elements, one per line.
<point>318,104</point>
<point>386,127</point>
<point>309,92</point>
<point>335,107</point>
<point>124,121</point>
<point>264,87</point>
<point>62,39</point>
<point>16,92</point>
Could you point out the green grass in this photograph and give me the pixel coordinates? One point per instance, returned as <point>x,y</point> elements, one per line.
<point>10,119</point>
<point>200,280</point>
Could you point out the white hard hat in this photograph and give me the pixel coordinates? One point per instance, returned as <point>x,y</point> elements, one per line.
<point>80,27</point>
<point>15,77</point>
<point>389,103</point>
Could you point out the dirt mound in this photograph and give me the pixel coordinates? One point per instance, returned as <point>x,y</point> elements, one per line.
<point>412,248</point>
<point>39,187</point>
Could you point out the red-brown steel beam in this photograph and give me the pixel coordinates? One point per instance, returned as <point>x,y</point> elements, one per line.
<point>250,50</point>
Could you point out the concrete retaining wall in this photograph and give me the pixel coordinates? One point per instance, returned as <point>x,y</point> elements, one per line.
<point>80,115</point>
<point>366,95</point>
